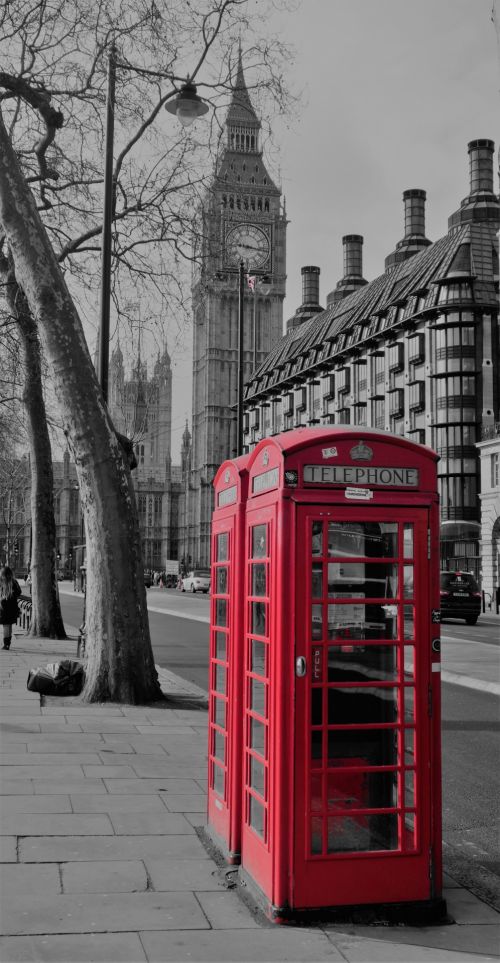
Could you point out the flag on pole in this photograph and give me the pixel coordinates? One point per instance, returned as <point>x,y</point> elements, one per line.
<point>251,279</point>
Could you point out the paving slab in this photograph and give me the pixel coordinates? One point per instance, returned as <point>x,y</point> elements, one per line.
<point>22,880</point>
<point>79,786</point>
<point>161,824</point>
<point>80,948</point>
<point>107,803</point>
<point>167,786</point>
<point>194,803</point>
<point>366,950</point>
<point>50,824</point>
<point>17,787</point>
<point>63,848</point>
<point>183,874</point>
<point>41,772</point>
<point>120,876</point>
<point>256,946</point>
<point>102,913</point>
<point>36,804</point>
<point>8,849</point>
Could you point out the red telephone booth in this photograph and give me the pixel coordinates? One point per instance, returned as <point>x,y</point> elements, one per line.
<point>225,674</point>
<point>341,698</point>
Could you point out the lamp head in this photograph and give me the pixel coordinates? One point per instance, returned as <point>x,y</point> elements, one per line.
<point>187,105</point>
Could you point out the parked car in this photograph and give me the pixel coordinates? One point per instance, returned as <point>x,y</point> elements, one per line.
<point>460,597</point>
<point>148,579</point>
<point>197,581</point>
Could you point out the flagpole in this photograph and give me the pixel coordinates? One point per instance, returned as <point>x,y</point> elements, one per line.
<point>239,394</point>
<point>255,324</point>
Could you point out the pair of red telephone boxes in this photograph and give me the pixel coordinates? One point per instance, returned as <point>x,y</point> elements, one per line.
<point>324,718</point>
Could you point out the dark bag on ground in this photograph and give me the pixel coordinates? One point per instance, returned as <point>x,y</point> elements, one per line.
<point>63,678</point>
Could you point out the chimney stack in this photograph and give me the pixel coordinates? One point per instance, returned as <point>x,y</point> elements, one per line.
<point>310,285</point>
<point>414,240</point>
<point>310,298</point>
<point>481,204</point>
<point>481,165</point>
<point>353,269</point>
<point>414,202</point>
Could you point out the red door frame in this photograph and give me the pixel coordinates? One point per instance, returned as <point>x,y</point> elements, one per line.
<point>375,876</point>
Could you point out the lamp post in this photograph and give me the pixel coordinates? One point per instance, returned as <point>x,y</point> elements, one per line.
<point>262,285</point>
<point>187,106</point>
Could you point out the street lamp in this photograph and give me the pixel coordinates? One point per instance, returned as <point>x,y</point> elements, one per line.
<point>187,106</point>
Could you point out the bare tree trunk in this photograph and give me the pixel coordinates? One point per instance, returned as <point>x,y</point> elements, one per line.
<point>46,618</point>
<point>120,658</point>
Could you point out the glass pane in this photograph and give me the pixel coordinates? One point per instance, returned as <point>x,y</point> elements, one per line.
<point>409,788</point>
<point>220,679</point>
<point>259,541</point>
<point>362,580</point>
<point>409,741</point>
<point>317,538</point>
<point>258,623</point>
<point>221,580</point>
<point>371,539</point>
<point>257,736</point>
<point>409,662</point>
<point>218,780</point>
<point>316,748</point>
<point>410,836</point>
<point>358,706</point>
<point>258,697</point>
<point>222,547</point>
<point>257,775</point>
<point>348,834</point>
<point>408,581</point>
<point>258,658</point>
<point>316,835</point>
<point>317,580</point>
<point>373,747</point>
<point>220,712</point>
<point>259,579</point>
<point>256,816</point>
<point>219,745</point>
<point>408,540</point>
<point>409,701</point>
<point>356,621</point>
<point>220,646</point>
<point>362,790</point>
<point>316,793</point>
<point>362,663</point>
<point>317,707</point>
<point>221,612</point>
<point>409,618</point>
<point>317,622</point>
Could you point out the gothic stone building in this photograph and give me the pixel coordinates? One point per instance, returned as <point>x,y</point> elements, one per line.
<point>242,214</point>
<point>415,352</point>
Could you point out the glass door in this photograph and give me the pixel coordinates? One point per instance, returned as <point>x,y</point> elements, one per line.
<point>362,724</point>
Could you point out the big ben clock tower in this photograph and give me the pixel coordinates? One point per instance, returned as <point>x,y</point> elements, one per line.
<point>242,219</point>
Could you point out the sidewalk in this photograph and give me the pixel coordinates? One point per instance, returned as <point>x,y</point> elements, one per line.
<point>101,860</point>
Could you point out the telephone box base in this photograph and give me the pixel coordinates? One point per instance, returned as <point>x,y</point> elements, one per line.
<point>431,912</point>
<point>216,847</point>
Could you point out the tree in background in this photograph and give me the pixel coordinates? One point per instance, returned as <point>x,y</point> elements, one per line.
<point>51,142</point>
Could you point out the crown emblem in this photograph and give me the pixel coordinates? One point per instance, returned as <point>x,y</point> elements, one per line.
<point>265,457</point>
<point>361,452</point>
<point>227,475</point>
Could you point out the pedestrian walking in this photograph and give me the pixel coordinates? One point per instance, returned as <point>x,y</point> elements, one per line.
<point>10,591</point>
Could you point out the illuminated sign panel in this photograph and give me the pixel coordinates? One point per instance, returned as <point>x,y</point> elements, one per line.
<point>227,497</point>
<point>265,481</point>
<point>360,475</point>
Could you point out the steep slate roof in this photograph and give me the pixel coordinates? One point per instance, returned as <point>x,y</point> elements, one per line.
<point>410,280</point>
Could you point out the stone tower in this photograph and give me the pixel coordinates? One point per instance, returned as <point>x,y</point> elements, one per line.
<point>242,196</point>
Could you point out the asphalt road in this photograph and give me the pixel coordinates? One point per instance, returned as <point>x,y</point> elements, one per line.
<point>470,726</point>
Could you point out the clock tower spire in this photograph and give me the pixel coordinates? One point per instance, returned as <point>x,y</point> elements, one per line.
<point>242,218</point>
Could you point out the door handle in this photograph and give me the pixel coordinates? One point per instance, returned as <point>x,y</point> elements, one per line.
<point>300,666</point>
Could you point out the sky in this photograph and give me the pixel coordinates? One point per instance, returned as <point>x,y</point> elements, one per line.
<point>392,91</point>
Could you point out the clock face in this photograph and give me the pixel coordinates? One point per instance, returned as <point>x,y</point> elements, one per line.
<point>249,244</point>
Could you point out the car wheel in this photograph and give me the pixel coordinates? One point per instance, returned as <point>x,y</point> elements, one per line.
<point>193,590</point>
<point>471,620</point>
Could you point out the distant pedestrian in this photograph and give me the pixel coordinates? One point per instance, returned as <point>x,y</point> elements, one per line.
<point>10,591</point>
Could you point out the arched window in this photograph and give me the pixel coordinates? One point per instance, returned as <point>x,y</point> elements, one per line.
<point>266,206</point>
<point>259,204</point>
<point>231,202</point>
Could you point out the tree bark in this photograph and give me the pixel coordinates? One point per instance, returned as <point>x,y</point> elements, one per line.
<point>46,617</point>
<point>120,658</point>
